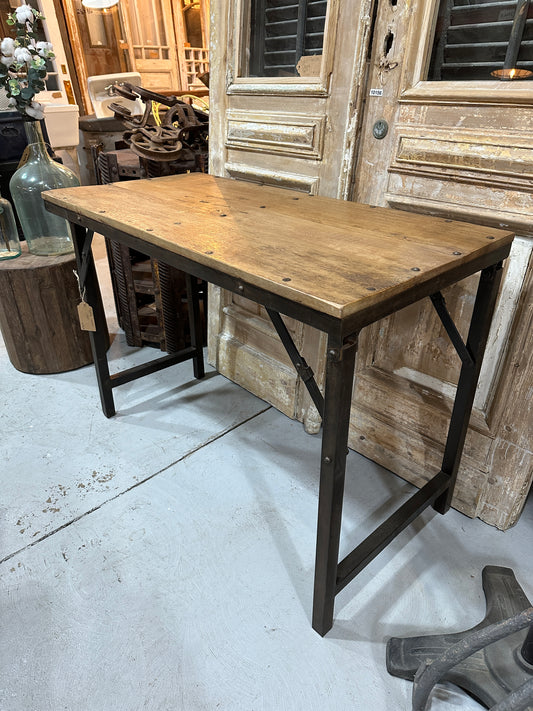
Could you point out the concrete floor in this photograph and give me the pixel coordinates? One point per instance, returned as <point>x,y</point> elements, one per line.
<point>163,559</point>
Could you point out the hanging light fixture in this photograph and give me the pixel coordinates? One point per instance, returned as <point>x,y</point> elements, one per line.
<point>99,4</point>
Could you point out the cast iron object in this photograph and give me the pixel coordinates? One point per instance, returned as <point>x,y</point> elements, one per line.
<point>181,136</point>
<point>491,661</point>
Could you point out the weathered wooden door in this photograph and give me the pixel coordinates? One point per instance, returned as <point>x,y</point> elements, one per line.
<point>417,132</point>
<point>284,91</point>
<point>102,39</point>
<point>152,46</point>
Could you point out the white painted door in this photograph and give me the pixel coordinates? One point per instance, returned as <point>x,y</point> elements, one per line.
<point>58,82</point>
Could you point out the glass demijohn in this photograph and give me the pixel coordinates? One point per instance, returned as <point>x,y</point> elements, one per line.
<point>46,234</point>
<point>9,239</point>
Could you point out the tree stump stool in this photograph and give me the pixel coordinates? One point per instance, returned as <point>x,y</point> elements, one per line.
<point>38,314</point>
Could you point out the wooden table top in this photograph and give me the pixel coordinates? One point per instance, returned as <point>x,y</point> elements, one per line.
<point>339,258</point>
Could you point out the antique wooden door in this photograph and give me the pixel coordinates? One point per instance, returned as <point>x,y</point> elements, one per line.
<point>149,26</point>
<point>102,40</point>
<point>427,128</point>
<point>168,41</point>
<point>284,95</point>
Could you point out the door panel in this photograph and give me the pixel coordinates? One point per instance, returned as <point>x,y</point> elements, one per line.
<point>58,80</point>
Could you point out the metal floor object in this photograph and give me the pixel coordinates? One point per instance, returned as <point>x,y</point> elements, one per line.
<point>489,674</point>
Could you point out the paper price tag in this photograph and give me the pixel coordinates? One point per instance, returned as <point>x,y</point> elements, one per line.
<point>86,317</point>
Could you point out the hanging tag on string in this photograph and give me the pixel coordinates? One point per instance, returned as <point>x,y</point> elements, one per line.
<point>85,310</point>
<point>86,316</point>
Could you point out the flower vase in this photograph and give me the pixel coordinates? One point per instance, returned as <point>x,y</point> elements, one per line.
<point>46,234</point>
<point>9,239</point>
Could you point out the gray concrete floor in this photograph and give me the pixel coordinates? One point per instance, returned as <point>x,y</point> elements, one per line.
<point>163,559</point>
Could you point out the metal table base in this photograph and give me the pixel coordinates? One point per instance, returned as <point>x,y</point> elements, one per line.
<point>493,661</point>
<point>331,575</point>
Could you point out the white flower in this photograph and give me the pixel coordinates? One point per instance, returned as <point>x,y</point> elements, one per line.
<point>7,46</point>
<point>25,62</point>
<point>22,55</point>
<point>44,49</point>
<point>24,14</point>
<point>35,110</point>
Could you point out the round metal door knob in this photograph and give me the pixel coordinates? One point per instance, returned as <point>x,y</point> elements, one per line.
<point>380,129</point>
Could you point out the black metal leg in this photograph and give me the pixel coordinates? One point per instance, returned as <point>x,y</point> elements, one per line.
<point>338,395</point>
<point>99,339</point>
<point>91,293</point>
<point>477,340</point>
<point>195,325</point>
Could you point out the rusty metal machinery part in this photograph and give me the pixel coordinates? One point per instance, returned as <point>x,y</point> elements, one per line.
<point>182,134</point>
<point>155,143</point>
<point>131,92</point>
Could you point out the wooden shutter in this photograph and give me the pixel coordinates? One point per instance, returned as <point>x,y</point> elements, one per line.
<point>473,39</point>
<point>282,32</point>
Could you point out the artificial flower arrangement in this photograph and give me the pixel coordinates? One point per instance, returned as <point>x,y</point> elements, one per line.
<point>23,63</point>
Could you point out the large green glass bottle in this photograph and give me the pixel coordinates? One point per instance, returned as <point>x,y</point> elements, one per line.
<point>45,233</point>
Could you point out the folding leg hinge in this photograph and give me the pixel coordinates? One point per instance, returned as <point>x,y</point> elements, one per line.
<point>304,371</point>
<point>336,354</point>
<point>84,257</point>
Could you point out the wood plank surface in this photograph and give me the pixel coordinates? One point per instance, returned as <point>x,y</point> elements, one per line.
<point>334,256</point>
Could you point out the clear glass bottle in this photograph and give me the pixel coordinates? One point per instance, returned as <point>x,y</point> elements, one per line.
<point>9,238</point>
<point>45,233</point>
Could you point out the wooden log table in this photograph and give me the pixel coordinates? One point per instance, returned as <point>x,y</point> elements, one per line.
<point>38,314</point>
<point>335,265</point>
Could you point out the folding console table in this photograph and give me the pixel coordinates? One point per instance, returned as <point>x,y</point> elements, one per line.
<point>335,265</point>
